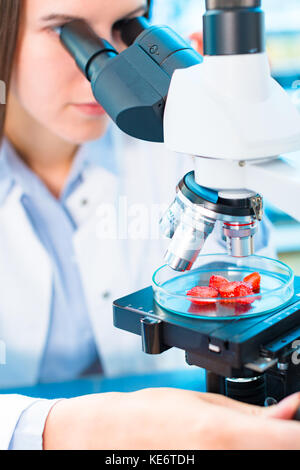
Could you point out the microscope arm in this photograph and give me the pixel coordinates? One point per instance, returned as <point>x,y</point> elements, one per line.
<point>277,179</point>
<point>279,182</point>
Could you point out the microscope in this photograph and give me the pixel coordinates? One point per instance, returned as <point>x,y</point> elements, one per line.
<point>226,111</point>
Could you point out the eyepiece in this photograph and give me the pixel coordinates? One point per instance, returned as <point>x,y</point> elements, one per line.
<point>84,45</point>
<point>233,27</point>
<point>131,29</point>
<point>131,86</point>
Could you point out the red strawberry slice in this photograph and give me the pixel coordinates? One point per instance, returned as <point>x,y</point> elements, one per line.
<point>243,290</point>
<point>202,292</point>
<point>236,289</point>
<point>254,280</point>
<point>218,281</point>
<point>228,290</point>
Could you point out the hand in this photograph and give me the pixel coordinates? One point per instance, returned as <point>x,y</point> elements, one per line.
<point>170,419</point>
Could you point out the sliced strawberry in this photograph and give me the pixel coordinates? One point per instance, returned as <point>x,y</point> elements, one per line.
<point>254,280</point>
<point>228,290</point>
<point>203,292</point>
<point>243,290</point>
<point>218,281</point>
<point>236,289</point>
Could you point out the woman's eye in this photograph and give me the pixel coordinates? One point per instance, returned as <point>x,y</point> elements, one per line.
<point>53,29</point>
<point>117,26</point>
<point>56,27</point>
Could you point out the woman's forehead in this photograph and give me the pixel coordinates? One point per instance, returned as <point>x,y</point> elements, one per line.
<point>97,10</point>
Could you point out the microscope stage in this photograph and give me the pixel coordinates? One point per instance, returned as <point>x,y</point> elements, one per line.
<point>230,348</point>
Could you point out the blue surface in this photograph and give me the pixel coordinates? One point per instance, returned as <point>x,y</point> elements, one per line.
<point>188,379</point>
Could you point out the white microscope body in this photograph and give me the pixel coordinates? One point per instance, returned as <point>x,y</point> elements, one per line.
<point>240,122</point>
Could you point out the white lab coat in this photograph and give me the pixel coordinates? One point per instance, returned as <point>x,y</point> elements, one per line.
<point>148,175</point>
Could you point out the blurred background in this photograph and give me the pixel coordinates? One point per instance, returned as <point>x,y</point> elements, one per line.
<point>283,44</point>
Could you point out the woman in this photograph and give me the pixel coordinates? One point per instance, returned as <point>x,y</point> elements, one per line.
<point>79,208</point>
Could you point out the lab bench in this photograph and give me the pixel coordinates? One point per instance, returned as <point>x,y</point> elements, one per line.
<point>192,378</point>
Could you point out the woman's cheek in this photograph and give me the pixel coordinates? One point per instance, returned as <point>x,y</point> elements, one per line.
<point>45,73</point>
<point>47,81</point>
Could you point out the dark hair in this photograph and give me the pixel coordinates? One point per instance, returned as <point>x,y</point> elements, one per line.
<point>9,27</point>
<point>10,14</point>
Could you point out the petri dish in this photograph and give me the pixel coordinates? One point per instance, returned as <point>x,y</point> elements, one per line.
<point>277,287</point>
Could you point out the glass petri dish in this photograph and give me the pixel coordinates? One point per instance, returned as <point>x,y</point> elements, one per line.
<point>277,287</point>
